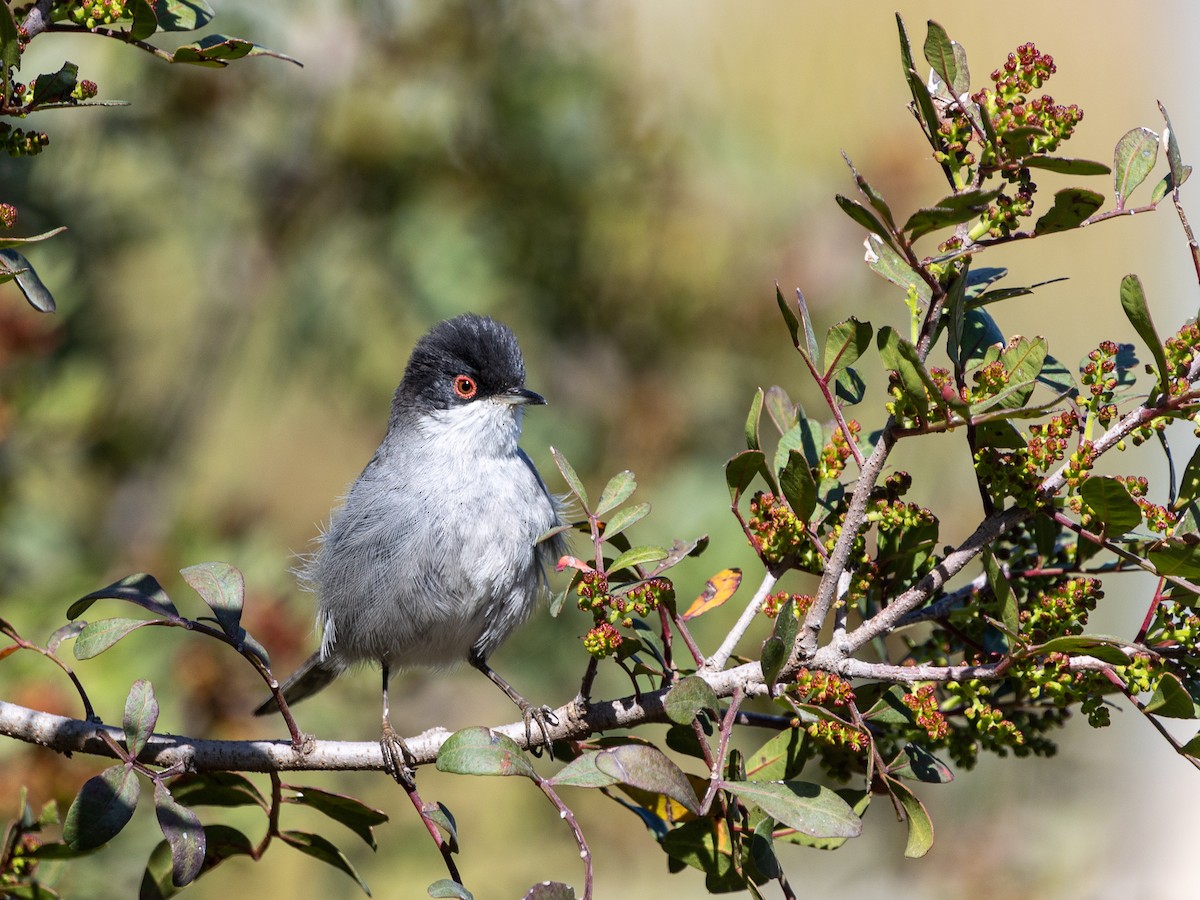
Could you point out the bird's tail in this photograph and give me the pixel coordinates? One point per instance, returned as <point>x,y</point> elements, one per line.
<point>314,674</point>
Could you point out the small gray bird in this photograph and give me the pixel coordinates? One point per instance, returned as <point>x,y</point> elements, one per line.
<point>435,555</point>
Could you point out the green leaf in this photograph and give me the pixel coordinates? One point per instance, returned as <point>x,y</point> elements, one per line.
<point>980,332</point>
<point>582,772</point>
<point>1174,160</point>
<point>779,759</point>
<point>625,518</point>
<point>783,412</point>
<point>939,53</point>
<point>1178,556</point>
<point>221,843</point>
<point>844,344</point>
<point>1065,166</point>
<point>1107,649</point>
<point>809,808</point>
<point>1009,611</point>
<point>141,714</point>
<point>952,210</point>
<point>445,887</point>
<point>889,264</point>
<point>863,216</point>
<point>142,590</point>
<point>753,442</point>
<point>103,806</point>
<point>1057,377</point>
<point>849,387</point>
<point>184,833</point>
<point>1133,301</point>
<point>1189,482</point>
<point>481,751</point>
<point>799,488</point>
<point>14,265</point>
<point>572,480</point>
<point>873,196</point>
<point>778,646</point>
<point>637,556</point>
<point>440,815</point>
<point>616,492</point>
<point>918,764</point>
<point>789,318</point>
<point>10,42</point>
<point>858,801</point>
<point>1171,699</point>
<point>1167,185</point>
<point>810,338</point>
<point>224,590</point>
<point>218,50</point>
<point>182,15</point>
<point>890,708</point>
<point>648,768</point>
<point>145,22</point>
<point>1072,206</point>
<point>1110,502</point>
<point>920,826</point>
<point>99,636</point>
<point>319,848</point>
<point>56,88</point>
<point>742,469</point>
<point>705,844</point>
<point>217,789</point>
<point>1133,158</point>
<point>352,813</point>
<point>806,437</point>
<point>688,698</point>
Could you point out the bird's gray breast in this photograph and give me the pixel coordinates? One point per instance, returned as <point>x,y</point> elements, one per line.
<point>430,559</point>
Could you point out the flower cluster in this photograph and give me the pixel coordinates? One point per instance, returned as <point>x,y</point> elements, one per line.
<point>1100,378</point>
<point>837,734</point>
<point>612,608</point>
<point>1159,519</point>
<point>18,142</point>
<point>8,215</point>
<point>1009,108</point>
<point>1061,610</point>
<point>823,688</point>
<point>775,603</point>
<point>1048,442</point>
<point>924,704</point>
<point>1181,349</point>
<point>836,452</point>
<point>90,13</point>
<point>1009,473</point>
<point>776,532</point>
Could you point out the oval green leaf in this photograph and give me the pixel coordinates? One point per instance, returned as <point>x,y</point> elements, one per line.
<point>616,492</point>
<point>141,714</point>
<point>103,806</point>
<point>184,833</point>
<point>688,697</point>
<point>481,751</point>
<point>648,768</point>
<point>97,637</point>
<point>811,809</point>
<point>223,589</point>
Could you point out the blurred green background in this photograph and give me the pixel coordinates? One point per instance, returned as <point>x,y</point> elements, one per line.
<point>252,253</point>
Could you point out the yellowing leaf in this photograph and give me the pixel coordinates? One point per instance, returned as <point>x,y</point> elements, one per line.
<point>716,591</point>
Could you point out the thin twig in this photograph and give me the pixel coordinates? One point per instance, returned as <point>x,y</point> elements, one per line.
<point>717,660</point>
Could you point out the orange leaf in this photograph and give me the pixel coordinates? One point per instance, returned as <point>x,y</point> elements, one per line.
<point>716,591</point>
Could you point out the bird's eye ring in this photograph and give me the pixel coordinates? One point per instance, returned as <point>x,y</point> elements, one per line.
<point>465,387</point>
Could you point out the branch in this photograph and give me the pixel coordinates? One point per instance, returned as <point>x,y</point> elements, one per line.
<point>37,19</point>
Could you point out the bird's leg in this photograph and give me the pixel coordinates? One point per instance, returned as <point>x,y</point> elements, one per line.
<point>542,715</point>
<point>397,758</point>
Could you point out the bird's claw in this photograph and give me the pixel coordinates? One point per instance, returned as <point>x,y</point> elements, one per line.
<point>545,718</point>
<point>398,760</point>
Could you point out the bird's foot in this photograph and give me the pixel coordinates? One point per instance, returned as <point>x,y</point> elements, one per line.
<point>545,718</point>
<point>398,760</point>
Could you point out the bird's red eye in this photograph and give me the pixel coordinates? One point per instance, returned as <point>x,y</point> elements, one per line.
<point>465,387</point>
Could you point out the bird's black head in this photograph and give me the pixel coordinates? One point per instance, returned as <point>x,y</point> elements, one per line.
<point>460,361</point>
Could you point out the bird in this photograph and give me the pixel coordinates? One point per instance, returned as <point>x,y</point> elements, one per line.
<point>442,545</point>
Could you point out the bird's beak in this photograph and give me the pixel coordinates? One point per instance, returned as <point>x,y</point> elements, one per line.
<point>522,397</point>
